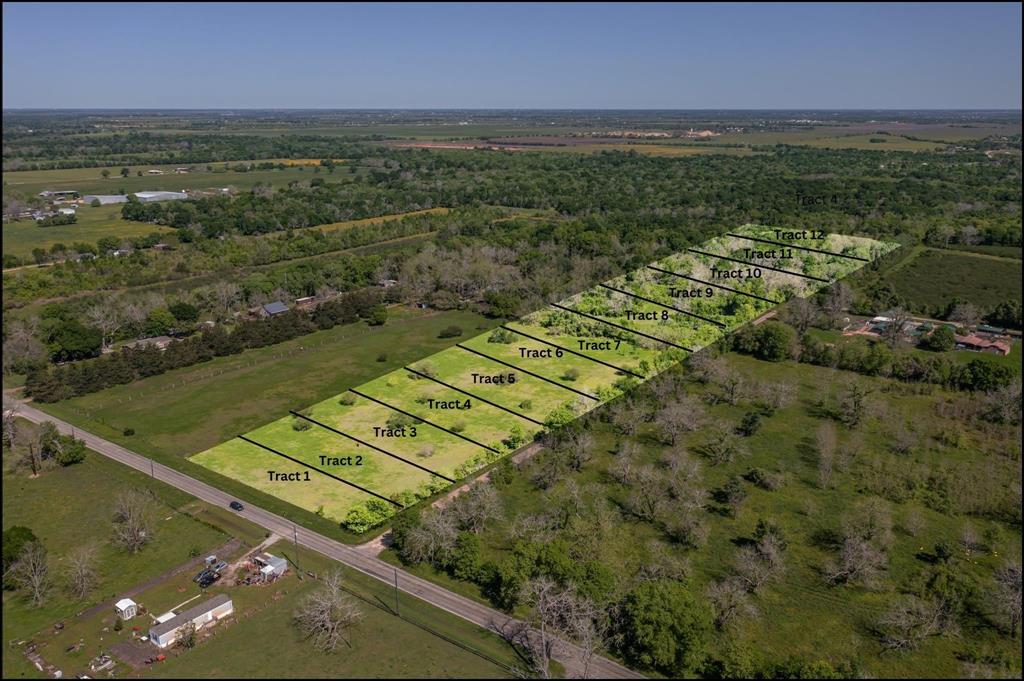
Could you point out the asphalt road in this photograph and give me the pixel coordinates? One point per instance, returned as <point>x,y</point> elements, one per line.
<point>567,654</point>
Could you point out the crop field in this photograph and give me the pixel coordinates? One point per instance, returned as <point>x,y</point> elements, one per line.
<point>925,279</point>
<point>358,456</point>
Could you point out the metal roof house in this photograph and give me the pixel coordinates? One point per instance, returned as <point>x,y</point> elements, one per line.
<point>146,197</point>
<point>105,199</point>
<point>166,633</point>
<point>271,309</point>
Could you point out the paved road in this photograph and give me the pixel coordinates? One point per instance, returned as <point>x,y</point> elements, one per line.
<point>569,655</point>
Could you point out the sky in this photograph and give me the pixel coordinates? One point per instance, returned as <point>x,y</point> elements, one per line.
<point>523,56</point>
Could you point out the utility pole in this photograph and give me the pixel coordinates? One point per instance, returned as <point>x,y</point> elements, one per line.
<point>295,540</point>
<point>396,592</point>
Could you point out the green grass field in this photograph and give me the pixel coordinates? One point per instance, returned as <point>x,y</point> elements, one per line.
<point>71,508</point>
<point>497,391</point>
<point>90,180</point>
<point>185,411</point>
<point>21,237</point>
<point>930,278</point>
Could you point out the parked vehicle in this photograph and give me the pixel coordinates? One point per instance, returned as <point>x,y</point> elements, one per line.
<point>219,566</point>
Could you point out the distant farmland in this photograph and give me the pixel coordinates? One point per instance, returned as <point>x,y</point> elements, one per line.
<point>931,278</point>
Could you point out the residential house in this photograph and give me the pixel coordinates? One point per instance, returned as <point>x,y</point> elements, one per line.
<point>164,634</point>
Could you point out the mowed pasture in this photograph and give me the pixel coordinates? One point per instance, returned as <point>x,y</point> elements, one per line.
<point>408,433</point>
<point>22,236</point>
<point>926,278</point>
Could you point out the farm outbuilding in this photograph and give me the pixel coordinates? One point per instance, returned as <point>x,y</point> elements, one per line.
<point>274,308</point>
<point>146,197</point>
<point>270,566</point>
<point>105,199</point>
<point>166,633</point>
<point>126,608</point>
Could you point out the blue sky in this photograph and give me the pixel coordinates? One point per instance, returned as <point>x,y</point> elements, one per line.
<point>290,55</point>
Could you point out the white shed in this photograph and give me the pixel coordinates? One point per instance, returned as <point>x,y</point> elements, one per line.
<point>126,608</point>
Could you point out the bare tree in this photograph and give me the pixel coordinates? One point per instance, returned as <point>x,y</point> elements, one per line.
<point>548,605</point>
<point>705,365</point>
<point>107,318</point>
<point>893,331</point>
<point>580,444</point>
<point>801,314</point>
<point>22,345</point>
<point>624,417</point>
<point>914,523</point>
<point>80,571</point>
<point>225,296</point>
<point>837,301</point>
<point>328,615</point>
<point>472,509</point>
<point>965,315</point>
<point>859,562</point>
<point>681,415</point>
<point>909,622</point>
<point>776,394</point>
<point>1005,598</point>
<point>31,573</point>
<point>648,493</point>
<point>588,626</point>
<point>758,564</point>
<point>433,540</point>
<point>624,468</point>
<point>730,601</point>
<point>688,529</point>
<point>133,522</point>
<point>827,442</point>
<point>722,446</point>
<point>10,427</point>
<point>732,384</point>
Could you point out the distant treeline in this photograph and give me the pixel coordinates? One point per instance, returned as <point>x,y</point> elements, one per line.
<point>52,384</point>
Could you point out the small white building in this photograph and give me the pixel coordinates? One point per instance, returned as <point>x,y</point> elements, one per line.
<point>164,634</point>
<point>270,566</point>
<point>126,609</point>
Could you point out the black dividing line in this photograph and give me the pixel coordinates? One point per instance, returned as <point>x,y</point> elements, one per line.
<point>619,326</point>
<point>802,248</point>
<point>579,354</point>
<point>420,418</point>
<point>708,283</point>
<point>528,373</point>
<point>318,470</point>
<point>475,397</point>
<point>764,267</point>
<point>382,451</point>
<point>667,307</point>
